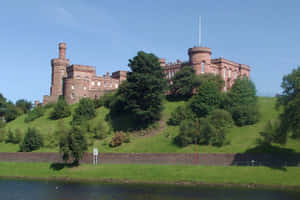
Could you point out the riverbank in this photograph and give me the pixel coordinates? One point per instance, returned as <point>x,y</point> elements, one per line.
<point>158,174</point>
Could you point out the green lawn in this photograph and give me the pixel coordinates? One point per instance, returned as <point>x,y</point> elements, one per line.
<point>241,139</point>
<point>290,176</point>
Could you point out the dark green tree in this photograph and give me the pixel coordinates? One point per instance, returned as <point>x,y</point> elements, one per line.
<point>73,144</point>
<point>32,141</point>
<point>241,101</point>
<point>207,98</point>
<point>2,105</point>
<point>183,83</point>
<point>24,105</point>
<point>61,109</point>
<point>217,79</point>
<point>85,111</point>
<point>11,112</point>
<point>142,94</point>
<point>179,114</point>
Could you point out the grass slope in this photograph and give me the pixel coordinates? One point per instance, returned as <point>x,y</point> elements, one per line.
<point>158,173</point>
<point>242,139</point>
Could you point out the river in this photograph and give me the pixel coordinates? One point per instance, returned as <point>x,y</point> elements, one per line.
<point>52,190</point>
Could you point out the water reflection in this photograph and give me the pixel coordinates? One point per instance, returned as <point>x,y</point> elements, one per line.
<point>43,190</point>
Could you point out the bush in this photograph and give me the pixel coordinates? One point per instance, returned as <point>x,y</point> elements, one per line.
<point>99,131</point>
<point>14,138</point>
<point>270,133</point>
<point>107,99</point>
<point>32,141</point>
<point>245,115</point>
<point>206,100</point>
<point>221,119</point>
<point>73,144</point>
<point>61,109</point>
<point>2,134</point>
<point>85,111</point>
<point>200,131</point>
<point>32,115</point>
<point>179,114</point>
<point>118,139</point>
<point>2,123</point>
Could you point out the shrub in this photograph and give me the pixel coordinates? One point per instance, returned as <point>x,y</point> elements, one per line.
<point>245,115</point>
<point>84,111</point>
<point>270,133</point>
<point>32,115</point>
<point>98,102</point>
<point>2,123</point>
<point>24,105</point>
<point>61,109</point>
<point>99,131</point>
<point>179,114</point>
<point>187,133</point>
<point>32,141</point>
<point>206,100</point>
<point>118,139</point>
<point>200,131</point>
<point>14,138</point>
<point>107,99</point>
<point>2,134</point>
<point>221,119</point>
<point>73,144</point>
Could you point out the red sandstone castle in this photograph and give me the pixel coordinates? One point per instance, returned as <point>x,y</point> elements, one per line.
<point>78,81</point>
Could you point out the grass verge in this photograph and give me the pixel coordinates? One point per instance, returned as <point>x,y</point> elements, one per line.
<point>172,174</point>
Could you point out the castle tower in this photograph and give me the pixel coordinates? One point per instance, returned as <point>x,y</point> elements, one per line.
<point>199,58</point>
<point>59,71</point>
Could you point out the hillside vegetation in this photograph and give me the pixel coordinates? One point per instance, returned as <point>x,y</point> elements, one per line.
<point>160,139</point>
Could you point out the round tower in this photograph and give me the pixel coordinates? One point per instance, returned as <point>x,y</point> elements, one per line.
<point>199,58</point>
<point>59,71</point>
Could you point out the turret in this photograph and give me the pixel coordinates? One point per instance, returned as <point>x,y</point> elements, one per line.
<point>199,58</point>
<point>59,71</point>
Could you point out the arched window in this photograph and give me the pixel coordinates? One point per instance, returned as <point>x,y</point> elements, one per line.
<point>235,75</point>
<point>224,73</point>
<point>229,73</point>
<point>202,66</point>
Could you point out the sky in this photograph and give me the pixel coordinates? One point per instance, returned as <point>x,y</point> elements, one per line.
<point>263,34</point>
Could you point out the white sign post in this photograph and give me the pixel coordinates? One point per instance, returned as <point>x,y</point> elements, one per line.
<point>95,156</point>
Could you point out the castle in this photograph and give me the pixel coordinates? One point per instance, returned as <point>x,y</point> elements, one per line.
<point>78,81</point>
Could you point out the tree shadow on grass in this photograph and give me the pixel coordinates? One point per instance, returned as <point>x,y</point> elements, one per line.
<point>267,155</point>
<point>60,166</point>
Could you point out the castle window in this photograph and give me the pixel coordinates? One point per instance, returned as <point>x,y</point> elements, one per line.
<point>73,87</point>
<point>84,88</point>
<point>229,73</point>
<point>99,83</point>
<point>72,95</point>
<point>104,84</point>
<point>116,85</point>
<point>202,66</point>
<point>224,73</point>
<point>93,83</point>
<point>235,75</point>
<point>110,84</point>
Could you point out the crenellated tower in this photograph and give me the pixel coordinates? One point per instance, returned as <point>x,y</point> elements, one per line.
<point>59,71</point>
<point>199,58</point>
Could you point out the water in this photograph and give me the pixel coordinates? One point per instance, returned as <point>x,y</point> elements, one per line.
<point>43,190</point>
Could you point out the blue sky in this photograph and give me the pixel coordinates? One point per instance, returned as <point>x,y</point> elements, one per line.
<point>263,34</point>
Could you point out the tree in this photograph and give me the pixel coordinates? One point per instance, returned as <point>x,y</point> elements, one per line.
<point>24,105</point>
<point>242,92</point>
<point>241,101</point>
<point>32,141</point>
<point>61,109</point>
<point>2,105</point>
<point>73,144</point>
<point>221,119</point>
<point>183,83</point>
<point>142,94</point>
<point>217,79</point>
<point>207,98</point>
<point>11,112</point>
<point>179,114</point>
<point>85,111</point>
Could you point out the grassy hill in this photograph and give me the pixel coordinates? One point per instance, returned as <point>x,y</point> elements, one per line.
<point>242,139</point>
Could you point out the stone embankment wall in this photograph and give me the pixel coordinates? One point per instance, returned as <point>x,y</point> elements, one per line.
<point>165,158</point>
